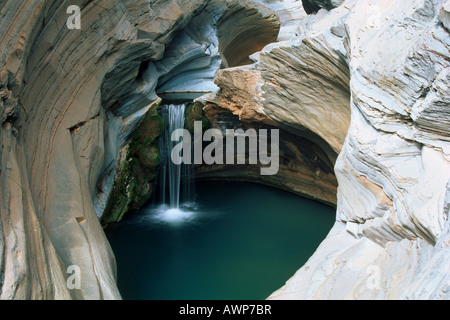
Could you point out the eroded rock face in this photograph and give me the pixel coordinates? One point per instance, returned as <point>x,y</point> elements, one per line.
<point>62,126</point>
<point>300,86</point>
<point>367,80</point>
<point>243,30</point>
<point>391,238</point>
<point>224,33</point>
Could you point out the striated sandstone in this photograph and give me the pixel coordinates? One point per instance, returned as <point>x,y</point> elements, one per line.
<point>390,240</point>
<point>359,85</point>
<point>70,102</point>
<point>245,29</point>
<point>61,92</point>
<point>300,86</point>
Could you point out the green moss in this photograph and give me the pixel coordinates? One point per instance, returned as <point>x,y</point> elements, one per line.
<point>134,179</point>
<point>194,112</point>
<point>118,203</point>
<point>149,156</point>
<point>150,129</point>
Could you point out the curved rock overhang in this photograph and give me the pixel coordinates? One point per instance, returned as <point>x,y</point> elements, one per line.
<point>70,99</point>
<point>223,34</point>
<point>61,128</point>
<point>302,88</point>
<point>244,30</point>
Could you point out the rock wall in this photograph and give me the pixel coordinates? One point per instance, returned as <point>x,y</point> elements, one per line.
<point>391,237</point>
<point>363,88</point>
<point>71,102</point>
<point>300,86</point>
<point>62,125</point>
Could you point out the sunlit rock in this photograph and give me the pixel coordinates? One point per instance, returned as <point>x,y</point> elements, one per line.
<point>391,236</point>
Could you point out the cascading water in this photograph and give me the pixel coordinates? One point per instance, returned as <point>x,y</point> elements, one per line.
<point>176,180</point>
<point>233,230</point>
<point>173,118</point>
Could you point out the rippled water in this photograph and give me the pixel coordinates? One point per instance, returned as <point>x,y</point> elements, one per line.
<point>237,241</point>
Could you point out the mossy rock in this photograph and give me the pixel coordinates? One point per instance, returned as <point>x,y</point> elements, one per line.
<point>149,155</point>
<point>194,112</point>
<point>150,129</point>
<point>141,187</point>
<point>118,203</point>
<point>134,178</point>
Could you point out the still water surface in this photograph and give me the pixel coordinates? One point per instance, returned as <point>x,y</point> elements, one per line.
<point>238,241</point>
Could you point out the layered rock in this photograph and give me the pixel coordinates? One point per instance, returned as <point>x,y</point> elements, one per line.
<point>62,126</point>
<point>301,87</point>
<point>243,30</point>
<point>71,102</point>
<point>391,237</point>
<point>367,80</point>
<point>224,33</point>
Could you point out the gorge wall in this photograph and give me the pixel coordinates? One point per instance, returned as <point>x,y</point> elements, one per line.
<point>391,237</point>
<point>358,89</point>
<point>64,119</point>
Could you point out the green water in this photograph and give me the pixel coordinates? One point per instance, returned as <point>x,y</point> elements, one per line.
<point>239,241</point>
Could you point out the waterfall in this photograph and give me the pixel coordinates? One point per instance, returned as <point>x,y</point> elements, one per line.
<point>177,176</point>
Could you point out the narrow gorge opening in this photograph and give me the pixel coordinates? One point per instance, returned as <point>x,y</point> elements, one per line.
<point>216,231</point>
<point>212,239</point>
<point>359,91</point>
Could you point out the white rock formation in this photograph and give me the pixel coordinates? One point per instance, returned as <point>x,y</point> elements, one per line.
<point>392,235</point>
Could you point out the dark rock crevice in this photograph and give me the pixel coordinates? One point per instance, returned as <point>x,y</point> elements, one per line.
<point>312,6</point>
